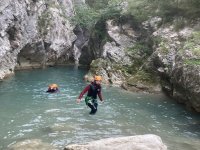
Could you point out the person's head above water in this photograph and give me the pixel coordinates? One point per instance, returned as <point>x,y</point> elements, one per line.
<point>52,88</point>
<point>98,79</point>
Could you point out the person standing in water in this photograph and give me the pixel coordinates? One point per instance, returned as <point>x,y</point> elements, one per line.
<point>93,90</point>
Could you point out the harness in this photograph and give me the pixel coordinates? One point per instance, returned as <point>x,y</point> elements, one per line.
<point>92,94</point>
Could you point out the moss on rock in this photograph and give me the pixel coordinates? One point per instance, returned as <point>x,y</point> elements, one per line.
<point>44,23</point>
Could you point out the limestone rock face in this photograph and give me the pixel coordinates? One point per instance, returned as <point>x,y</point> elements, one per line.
<point>34,33</point>
<point>140,142</point>
<point>110,72</point>
<point>123,37</point>
<point>123,34</point>
<point>176,60</point>
<point>173,65</point>
<point>81,41</point>
<point>114,54</point>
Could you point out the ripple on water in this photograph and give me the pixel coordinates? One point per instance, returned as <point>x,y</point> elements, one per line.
<point>37,119</point>
<point>52,111</point>
<point>26,130</point>
<point>63,119</point>
<point>28,125</point>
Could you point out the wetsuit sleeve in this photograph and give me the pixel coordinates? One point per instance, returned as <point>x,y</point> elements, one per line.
<point>84,91</point>
<point>100,95</point>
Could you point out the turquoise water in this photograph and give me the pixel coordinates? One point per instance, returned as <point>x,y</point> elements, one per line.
<point>27,112</point>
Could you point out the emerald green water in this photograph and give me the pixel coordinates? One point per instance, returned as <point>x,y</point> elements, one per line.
<point>27,112</point>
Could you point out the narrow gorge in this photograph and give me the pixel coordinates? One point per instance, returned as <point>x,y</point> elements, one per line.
<point>157,52</point>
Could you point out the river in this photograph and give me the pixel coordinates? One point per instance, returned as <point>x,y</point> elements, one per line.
<point>28,112</point>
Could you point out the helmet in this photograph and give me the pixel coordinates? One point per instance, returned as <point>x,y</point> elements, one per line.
<point>53,86</point>
<point>97,78</point>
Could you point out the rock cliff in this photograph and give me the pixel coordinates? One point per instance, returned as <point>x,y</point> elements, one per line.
<point>34,33</point>
<point>176,60</point>
<point>152,59</point>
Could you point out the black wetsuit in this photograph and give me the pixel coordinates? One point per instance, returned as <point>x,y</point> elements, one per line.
<point>52,90</point>
<point>91,99</point>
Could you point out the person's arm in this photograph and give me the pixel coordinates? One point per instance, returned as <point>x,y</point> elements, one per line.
<point>100,95</point>
<point>82,93</point>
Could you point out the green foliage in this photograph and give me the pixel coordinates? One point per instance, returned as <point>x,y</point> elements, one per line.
<point>112,11</point>
<point>97,4</point>
<point>143,76</point>
<point>163,47</point>
<point>179,23</point>
<point>178,8</point>
<point>192,62</point>
<point>134,67</point>
<point>85,16</point>
<point>193,44</point>
<point>156,40</point>
<point>170,10</point>
<point>162,44</point>
<point>100,33</point>
<point>139,9</point>
<point>167,9</point>
<point>141,47</point>
<point>195,38</point>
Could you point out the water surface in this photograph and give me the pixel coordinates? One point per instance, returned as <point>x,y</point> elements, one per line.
<point>27,112</point>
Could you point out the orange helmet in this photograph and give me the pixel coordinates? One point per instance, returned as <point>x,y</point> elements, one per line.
<point>53,86</point>
<point>97,78</point>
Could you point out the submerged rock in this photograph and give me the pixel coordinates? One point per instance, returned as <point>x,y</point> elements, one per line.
<point>59,127</point>
<point>139,142</point>
<point>34,144</point>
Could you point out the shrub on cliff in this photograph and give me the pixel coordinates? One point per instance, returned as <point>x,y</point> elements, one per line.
<point>88,15</point>
<point>168,10</point>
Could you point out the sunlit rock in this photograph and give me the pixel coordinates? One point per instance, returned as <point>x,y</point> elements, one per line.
<point>140,142</point>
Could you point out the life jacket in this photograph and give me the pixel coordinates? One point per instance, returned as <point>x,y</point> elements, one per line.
<point>93,91</point>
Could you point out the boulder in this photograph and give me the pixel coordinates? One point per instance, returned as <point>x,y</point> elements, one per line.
<point>139,142</point>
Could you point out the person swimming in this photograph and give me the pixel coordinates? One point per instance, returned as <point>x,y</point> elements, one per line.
<point>53,88</point>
